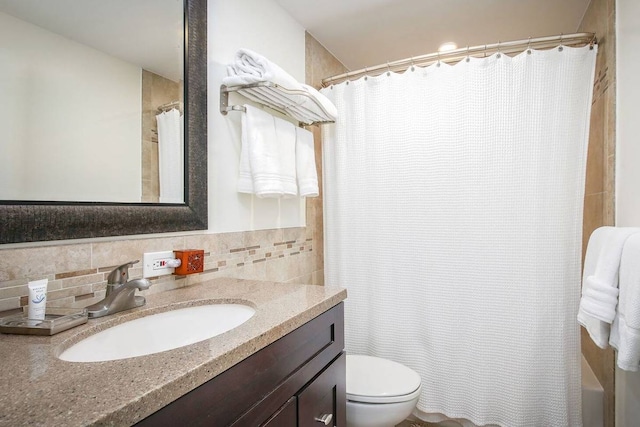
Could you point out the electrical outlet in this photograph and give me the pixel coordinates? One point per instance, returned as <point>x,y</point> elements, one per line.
<point>155,263</point>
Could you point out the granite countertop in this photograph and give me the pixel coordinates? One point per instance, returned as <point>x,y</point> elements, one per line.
<point>37,388</point>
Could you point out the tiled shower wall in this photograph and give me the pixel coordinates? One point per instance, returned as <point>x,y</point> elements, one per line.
<point>599,191</point>
<point>320,64</point>
<point>77,270</point>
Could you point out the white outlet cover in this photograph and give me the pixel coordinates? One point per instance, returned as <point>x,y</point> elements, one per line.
<point>148,260</point>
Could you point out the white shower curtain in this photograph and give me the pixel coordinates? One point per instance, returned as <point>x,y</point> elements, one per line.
<point>453,215</point>
<point>171,156</point>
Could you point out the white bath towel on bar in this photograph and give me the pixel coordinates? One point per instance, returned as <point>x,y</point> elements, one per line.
<point>306,172</point>
<point>600,281</point>
<point>625,331</point>
<point>284,180</point>
<point>267,157</point>
<point>255,125</point>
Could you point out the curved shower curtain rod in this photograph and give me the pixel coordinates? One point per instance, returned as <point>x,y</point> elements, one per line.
<point>510,47</point>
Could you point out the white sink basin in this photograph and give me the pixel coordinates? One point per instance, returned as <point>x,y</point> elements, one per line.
<point>159,332</point>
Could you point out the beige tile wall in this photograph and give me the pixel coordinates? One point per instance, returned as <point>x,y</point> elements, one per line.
<point>77,271</point>
<point>599,191</point>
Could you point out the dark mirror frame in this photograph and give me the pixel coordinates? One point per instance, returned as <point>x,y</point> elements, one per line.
<point>24,221</point>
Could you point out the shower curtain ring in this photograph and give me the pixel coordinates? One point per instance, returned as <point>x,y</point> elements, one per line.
<point>468,54</point>
<point>499,52</point>
<point>438,63</point>
<point>413,68</point>
<point>529,46</point>
<point>366,74</point>
<point>388,69</point>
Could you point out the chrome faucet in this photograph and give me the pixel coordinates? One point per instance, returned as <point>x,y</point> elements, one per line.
<point>120,293</point>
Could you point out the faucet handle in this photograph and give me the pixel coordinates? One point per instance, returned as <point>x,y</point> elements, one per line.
<point>120,275</point>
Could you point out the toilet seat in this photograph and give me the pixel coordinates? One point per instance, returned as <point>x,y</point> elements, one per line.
<point>376,380</point>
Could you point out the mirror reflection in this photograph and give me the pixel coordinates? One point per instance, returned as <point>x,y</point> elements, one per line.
<point>91,105</point>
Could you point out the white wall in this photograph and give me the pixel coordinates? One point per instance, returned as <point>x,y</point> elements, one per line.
<point>262,26</point>
<point>628,170</point>
<point>68,106</point>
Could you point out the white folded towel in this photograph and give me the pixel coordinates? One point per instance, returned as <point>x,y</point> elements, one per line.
<point>625,331</point>
<point>267,157</point>
<point>251,67</point>
<point>600,281</point>
<point>599,299</point>
<point>306,164</point>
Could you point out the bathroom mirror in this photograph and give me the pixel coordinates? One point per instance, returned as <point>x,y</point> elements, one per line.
<point>42,219</point>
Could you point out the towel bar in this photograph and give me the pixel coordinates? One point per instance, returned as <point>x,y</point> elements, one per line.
<point>277,98</point>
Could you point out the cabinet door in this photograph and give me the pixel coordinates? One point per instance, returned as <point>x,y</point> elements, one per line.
<point>324,400</point>
<point>286,416</point>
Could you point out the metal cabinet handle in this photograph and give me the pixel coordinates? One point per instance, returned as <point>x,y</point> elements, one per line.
<point>325,419</point>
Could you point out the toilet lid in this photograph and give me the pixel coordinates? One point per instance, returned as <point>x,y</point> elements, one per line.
<point>375,380</point>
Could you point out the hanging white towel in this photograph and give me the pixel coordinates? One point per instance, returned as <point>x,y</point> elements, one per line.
<point>625,331</point>
<point>171,156</point>
<point>306,164</point>
<point>286,174</point>
<point>267,157</point>
<point>254,125</point>
<point>251,67</point>
<point>600,281</point>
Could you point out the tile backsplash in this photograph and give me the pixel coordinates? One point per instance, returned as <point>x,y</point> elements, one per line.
<point>77,272</point>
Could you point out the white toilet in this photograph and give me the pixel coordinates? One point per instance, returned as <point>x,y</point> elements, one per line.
<point>380,392</point>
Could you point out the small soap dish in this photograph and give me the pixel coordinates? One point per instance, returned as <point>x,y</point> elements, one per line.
<point>55,320</point>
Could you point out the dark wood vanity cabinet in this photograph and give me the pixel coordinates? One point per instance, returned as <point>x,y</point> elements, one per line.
<point>297,381</point>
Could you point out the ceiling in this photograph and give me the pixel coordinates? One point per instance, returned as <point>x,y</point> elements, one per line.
<point>364,33</point>
<point>359,33</point>
<point>148,33</point>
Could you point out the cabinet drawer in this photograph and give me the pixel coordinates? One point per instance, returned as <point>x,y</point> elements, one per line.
<point>323,401</point>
